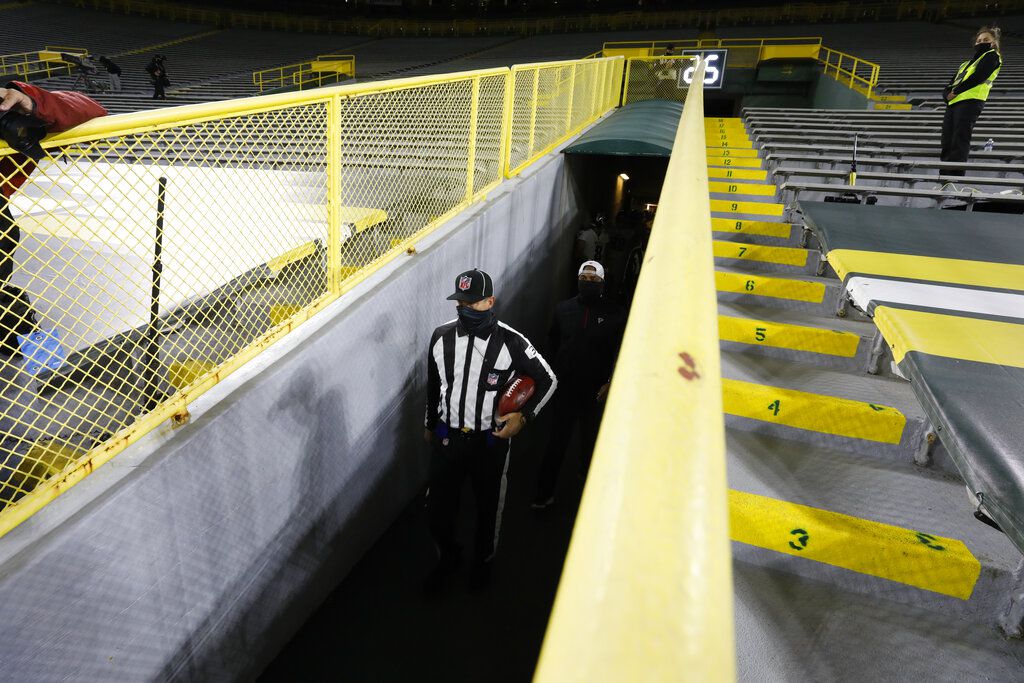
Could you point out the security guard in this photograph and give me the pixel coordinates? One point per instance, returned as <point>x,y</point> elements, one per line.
<point>585,338</point>
<point>469,361</point>
<point>965,96</point>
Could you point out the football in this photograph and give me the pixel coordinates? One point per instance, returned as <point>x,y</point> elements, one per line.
<point>517,392</point>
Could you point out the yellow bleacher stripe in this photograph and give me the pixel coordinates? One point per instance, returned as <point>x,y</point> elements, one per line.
<point>759,208</point>
<point>951,336</point>
<point>785,256</point>
<point>759,189</point>
<point>894,106</point>
<point>930,268</point>
<point>933,563</point>
<point>737,173</point>
<point>773,287</point>
<point>731,143</point>
<point>812,412</point>
<point>291,256</point>
<point>783,336</point>
<point>766,228</point>
<point>732,152</point>
<point>749,162</point>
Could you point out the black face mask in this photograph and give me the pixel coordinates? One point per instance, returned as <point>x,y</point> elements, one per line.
<point>590,291</point>
<point>476,322</point>
<point>983,47</point>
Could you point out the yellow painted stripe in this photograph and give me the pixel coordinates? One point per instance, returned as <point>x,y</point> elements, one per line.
<point>766,228</point>
<point>933,563</point>
<point>731,143</point>
<point>785,256</point>
<point>759,208</point>
<point>893,106</point>
<point>276,265</point>
<point>742,188</point>
<point>783,336</point>
<point>951,336</point>
<point>773,287</point>
<point>749,162</point>
<point>812,412</point>
<point>888,98</point>
<point>723,119</point>
<point>931,268</point>
<point>732,152</point>
<point>737,173</point>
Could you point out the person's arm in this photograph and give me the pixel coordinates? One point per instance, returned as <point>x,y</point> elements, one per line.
<point>982,72</point>
<point>60,110</point>
<point>433,385</point>
<point>526,360</point>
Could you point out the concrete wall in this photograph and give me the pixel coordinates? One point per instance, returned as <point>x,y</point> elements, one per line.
<point>198,552</point>
<point>830,94</point>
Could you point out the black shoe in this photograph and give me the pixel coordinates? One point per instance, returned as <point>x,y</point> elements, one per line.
<point>437,579</point>
<point>542,502</point>
<point>480,577</point>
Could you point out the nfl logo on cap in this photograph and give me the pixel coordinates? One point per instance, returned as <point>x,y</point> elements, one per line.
<point>465,282</point>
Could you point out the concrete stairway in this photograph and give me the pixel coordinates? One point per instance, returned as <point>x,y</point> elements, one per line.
<point>849,555</point>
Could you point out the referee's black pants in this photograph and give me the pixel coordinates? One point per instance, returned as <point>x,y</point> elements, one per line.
<point>484,459</point>
<point>571,406</point>
<point>957,128</point>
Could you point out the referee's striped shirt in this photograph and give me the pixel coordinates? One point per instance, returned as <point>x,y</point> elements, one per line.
<point>466,373</point>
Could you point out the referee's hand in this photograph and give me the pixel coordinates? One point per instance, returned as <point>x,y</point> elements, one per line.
<point>512,424</point>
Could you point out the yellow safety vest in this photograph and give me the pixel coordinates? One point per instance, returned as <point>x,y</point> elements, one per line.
<point>978,92</point>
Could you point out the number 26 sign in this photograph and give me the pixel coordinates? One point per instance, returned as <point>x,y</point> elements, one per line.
<point>714,68</point>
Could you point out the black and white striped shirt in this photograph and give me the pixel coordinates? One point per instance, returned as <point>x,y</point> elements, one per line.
<point>466,373</point>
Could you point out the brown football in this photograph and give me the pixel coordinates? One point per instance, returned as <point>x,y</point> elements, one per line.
<point>517,392</point>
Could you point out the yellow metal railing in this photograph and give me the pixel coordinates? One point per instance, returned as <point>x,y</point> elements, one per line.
<point>646,592</point>
<point>619,21</point>
<point>551,101</point>
<point>43,63</point>
<point>323,70</point>
<point>859,74</point>
<point>743,52</point>
<point>167,248</point>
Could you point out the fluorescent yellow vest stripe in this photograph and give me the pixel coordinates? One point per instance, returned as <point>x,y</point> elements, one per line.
<point>978,92</point>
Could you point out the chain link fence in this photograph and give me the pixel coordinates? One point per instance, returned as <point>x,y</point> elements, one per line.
<point>656,78</point>
<point>160,251</point>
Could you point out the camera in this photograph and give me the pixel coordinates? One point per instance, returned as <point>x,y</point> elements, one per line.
<point>23,133</point>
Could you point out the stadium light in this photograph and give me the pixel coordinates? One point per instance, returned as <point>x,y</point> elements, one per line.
<point>624,176</point>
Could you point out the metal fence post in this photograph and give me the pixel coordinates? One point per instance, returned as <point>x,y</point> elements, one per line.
<point>533,112</point>
<point>474,109</point>
<point>506,123</point>
<point>572,91</point>
<point>334,195</point>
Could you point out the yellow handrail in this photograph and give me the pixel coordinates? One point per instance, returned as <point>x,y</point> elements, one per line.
<point>300,73</point>
<point>858,74</point>
<point>646,592</point>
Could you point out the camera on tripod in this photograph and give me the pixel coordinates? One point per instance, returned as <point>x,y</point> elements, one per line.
<point>85,69</point>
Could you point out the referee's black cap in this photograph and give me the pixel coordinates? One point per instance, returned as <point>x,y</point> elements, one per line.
<point>472,286</point>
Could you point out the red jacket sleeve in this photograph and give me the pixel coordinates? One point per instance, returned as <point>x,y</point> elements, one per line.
<point>61,109</point>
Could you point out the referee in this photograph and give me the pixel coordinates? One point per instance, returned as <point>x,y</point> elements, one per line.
<point>469,361</point>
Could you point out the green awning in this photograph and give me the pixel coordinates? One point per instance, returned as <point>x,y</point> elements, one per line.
<point>641,129</point>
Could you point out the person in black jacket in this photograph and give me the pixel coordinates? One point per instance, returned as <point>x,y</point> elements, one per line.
<point>469,362</point>
<point>113,72</point>
<point>965,96</point>
<point>157,70</point>
<point>585,337</point>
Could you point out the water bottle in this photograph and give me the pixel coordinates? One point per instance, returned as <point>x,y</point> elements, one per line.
<point>989,144</point>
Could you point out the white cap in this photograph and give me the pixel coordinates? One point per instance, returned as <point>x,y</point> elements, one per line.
<point>595,265</point>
